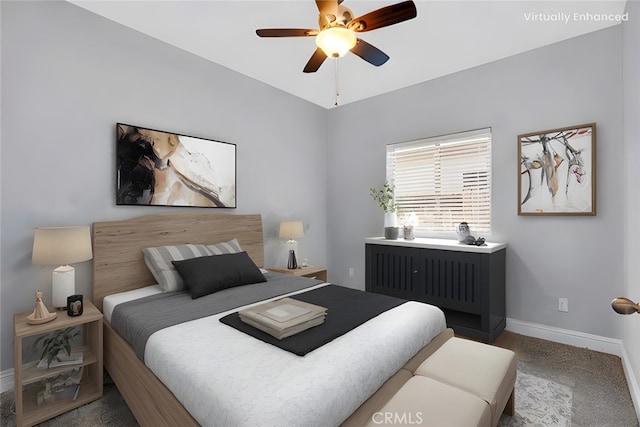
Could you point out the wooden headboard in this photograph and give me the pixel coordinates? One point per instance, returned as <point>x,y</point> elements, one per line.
<point>118,263</point>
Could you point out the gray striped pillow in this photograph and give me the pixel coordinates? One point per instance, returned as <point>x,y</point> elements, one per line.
<point>230,247</point>
<point>158,260</point>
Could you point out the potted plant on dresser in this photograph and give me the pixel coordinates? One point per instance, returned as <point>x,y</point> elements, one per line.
<point>386,199</point>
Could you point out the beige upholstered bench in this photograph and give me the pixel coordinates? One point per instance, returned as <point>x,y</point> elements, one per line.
<point>456,382</point>
<point>427,402</point>
<point>485,371</point>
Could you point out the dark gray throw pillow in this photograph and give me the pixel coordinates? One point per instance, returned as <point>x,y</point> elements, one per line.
<point>208,274</point>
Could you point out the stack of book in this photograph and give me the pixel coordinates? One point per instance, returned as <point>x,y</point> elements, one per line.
<point>284,317</point>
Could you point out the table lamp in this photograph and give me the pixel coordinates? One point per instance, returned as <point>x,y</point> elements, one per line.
<point>291,230</point>
<point>62,246</point>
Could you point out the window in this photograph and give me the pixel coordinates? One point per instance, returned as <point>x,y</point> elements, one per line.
<point>443,180</point>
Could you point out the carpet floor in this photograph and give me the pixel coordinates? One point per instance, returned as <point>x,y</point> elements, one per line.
<point>557,385</point>
<point>561,385</point>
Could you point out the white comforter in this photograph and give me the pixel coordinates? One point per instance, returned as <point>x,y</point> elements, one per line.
<point>224,377</point>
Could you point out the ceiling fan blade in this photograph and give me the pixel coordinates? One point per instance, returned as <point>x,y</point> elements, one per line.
<point>369,53</point>
<point>286,32</point>
<point>385,16</point>
<point>315,61</point>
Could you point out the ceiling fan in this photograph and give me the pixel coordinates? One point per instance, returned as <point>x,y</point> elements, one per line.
<point>337,31</point>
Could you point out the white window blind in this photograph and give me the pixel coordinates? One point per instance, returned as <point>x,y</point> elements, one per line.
<point>443,180</point>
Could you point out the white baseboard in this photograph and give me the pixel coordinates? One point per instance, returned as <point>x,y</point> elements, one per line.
<point>581,339</point>
<point>6,380</point>
<point>632,382</point>
<point>566,336</point>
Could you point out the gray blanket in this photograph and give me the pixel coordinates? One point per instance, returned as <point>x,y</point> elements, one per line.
<point>137,320</point>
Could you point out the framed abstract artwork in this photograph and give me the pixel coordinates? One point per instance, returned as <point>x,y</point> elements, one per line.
<point>557,171</point>
<point>168,169</point>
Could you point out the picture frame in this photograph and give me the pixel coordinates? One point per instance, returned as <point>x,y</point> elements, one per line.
<point>74,305</point>
<point>163,168</point>
<point>557,171</point>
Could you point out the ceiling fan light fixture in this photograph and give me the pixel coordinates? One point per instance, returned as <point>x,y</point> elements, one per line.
<point>336,41</point>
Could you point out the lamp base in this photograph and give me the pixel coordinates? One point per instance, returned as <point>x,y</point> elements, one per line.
<point>292,264</point>
<point>64,285</point>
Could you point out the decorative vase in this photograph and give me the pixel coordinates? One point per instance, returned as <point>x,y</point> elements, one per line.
<point>391,230</point>
<point>390,219</point>
<point>391,233</point>
<point>463,231</point>
<point>408,233</point>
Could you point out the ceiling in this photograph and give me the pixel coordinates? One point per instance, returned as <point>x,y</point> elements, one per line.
<point>446,37</point>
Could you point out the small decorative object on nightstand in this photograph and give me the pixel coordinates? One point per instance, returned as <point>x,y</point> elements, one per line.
<point>311,271</point>
<point>74,305</point>
<point>40,313</point>
<point>41,393</point>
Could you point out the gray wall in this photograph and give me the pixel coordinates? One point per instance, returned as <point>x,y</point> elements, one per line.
<point>568,83</point>
<point>631,85</point>
<point>68,76</point>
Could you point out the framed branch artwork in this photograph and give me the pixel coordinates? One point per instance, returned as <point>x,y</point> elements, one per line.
<point>168,169</point>
<point>557,171</point>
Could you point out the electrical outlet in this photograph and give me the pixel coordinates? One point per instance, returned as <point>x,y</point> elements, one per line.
<point>352,272</point>
<point>563,304</point>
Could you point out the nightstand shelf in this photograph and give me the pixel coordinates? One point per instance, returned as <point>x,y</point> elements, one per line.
<point>27,375</point>
<point>31,373</point>
<point>34,414</point>
<point>319,273</point>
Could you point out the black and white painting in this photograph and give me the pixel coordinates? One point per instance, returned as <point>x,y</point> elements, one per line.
<point>557,170</point>
<point>169,169</point>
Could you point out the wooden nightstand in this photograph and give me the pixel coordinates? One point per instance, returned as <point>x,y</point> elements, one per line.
<point>27,376</point>
<point>319,273</point>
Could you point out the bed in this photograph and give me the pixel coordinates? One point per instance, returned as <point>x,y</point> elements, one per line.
<point>243,368</point>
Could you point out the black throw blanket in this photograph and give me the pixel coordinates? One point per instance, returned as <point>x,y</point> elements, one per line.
<point>347,309</point>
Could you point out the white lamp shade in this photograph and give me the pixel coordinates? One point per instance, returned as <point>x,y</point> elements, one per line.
<point>61,245</point>
<point>336,41</point>
<point>291,229</point>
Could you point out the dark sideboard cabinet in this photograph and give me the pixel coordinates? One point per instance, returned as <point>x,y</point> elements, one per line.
<point>468,286</point>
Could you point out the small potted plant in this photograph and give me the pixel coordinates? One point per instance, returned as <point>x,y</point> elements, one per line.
<point>55,343</point>
<point>410,222</point>
<point>386,199</point>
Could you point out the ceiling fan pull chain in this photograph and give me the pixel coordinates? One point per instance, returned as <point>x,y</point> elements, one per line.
<point>337,86</point>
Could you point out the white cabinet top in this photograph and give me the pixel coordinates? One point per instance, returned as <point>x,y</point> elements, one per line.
<point>444,244</point>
